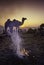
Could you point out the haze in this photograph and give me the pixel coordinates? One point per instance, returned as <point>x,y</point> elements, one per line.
<point>32,10</point>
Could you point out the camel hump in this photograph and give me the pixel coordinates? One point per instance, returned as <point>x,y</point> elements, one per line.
<point>14,19</point>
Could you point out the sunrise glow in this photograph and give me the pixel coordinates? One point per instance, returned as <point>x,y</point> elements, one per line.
<point>33,13</point>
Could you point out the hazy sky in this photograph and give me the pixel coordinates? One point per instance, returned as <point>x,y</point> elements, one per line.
<point>33,10</point>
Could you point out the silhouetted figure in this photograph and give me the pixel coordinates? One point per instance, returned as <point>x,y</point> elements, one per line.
<point>12,25</point>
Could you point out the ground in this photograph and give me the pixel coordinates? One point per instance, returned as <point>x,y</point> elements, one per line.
<point>33,43</point>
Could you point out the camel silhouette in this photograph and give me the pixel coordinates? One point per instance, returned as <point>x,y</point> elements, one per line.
<point>14,23</point>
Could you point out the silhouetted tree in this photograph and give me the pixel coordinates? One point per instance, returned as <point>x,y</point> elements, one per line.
<point>42,26</point>
<point>41,29</point>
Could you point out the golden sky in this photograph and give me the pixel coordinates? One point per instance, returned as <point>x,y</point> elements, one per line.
<point>33,12</point>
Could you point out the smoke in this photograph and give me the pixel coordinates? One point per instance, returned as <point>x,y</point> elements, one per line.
<point>17,42</point>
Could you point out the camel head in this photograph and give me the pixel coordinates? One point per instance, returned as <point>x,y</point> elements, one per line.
<point>24,18</point>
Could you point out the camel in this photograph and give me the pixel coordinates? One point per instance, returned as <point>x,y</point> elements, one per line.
<point>14,23</point>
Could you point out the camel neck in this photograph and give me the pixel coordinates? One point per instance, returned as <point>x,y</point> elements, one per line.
<point>22,21</point>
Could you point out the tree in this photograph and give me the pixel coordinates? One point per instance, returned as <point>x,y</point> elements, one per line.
<point>42,26</point>
<point>42,29</point>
